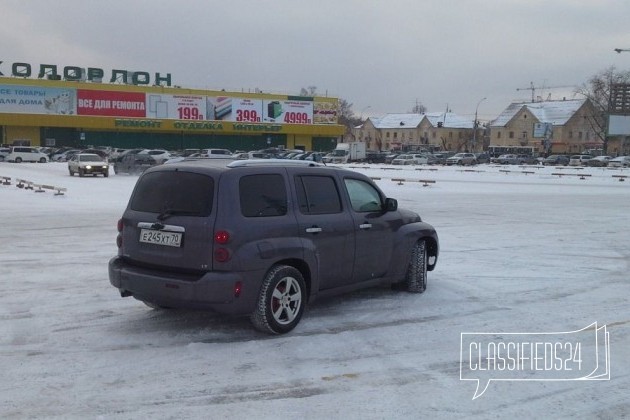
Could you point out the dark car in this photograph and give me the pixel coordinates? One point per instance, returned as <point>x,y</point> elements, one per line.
<point>134,163</point>
<point>375,157</point>
<point>561,160</point>
<point>389,158</point>
<point>263,238</point>
<point>482,157</point>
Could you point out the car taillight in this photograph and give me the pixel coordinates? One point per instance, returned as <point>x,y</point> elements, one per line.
<point>221,254</point>
<point>119,238</point>
<point>222,237</point>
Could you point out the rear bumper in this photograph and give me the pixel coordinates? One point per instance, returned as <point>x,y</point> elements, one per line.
<point>211,291</point>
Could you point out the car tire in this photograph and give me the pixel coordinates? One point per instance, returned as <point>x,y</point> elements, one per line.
<point>81,174</point>
<point>18,160</point>
<point>416,278</point>
<point>42,160</point>
<point>281,301</point>
<point>71,173</point>
<point>105,174</point>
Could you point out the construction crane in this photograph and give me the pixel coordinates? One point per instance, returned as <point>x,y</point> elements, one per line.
<point>533,88</point>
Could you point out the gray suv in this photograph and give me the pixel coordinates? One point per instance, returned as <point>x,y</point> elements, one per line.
<point>264,237</point>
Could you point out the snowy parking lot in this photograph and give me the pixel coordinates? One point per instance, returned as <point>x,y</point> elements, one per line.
<point>523,250</point>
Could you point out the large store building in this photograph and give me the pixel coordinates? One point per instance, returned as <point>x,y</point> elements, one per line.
<point>79,113</point>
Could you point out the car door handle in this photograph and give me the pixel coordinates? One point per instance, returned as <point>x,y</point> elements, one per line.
<point>365,226</point>
<point>313,229</point>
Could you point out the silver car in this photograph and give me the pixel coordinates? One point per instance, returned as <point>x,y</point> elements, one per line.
<point>619,162</point>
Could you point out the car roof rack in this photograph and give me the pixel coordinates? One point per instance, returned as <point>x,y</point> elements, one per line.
<point>278,162</point>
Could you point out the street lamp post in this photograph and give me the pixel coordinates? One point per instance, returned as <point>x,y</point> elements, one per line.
<point>475,124</point>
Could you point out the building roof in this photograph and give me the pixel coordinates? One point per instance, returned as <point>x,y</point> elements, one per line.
<point>448,120</point>
<point>554,112</point>
<point>397,121</point>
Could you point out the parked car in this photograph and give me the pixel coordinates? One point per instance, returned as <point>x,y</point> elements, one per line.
<point>619,162</point>
<point>217,153</point>
<point>599,161</point>
<point>4,152</point>
<point>101,152</point>
<point>159,155</point>
<point>375,157</point>
<point>440,157</point>
<point>557,160</point>
<point>134,163</point>
<point>482,157</point>
<point>64,155</point>
<point>88,164</point>
<point>462,159</point>
<point>403,159</point>
<point>20,154</point>
<point>424,159</point>
<point>184,243</point>
<point>512,159</point>
<point>579,160</point>
<point>391,156</point>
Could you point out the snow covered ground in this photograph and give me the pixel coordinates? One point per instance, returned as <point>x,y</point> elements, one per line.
<point>520,252</point>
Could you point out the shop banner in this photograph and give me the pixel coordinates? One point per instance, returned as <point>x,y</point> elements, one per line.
<point>288,112</point>
<point>111,104</point>
<point>37,100</point>
<point>176,107</point>
<point>324,113</point>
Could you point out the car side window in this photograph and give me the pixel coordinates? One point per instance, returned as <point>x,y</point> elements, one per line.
<point>317,194</point>
<point>363,196</point>
<point>263,195</point>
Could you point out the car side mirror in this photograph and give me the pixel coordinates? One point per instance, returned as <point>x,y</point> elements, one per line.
<point>391,204</point>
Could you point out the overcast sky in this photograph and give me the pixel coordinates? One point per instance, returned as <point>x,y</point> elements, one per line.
<point>381,56</point>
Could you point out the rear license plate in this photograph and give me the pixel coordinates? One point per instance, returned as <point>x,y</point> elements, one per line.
<point>159,237</point>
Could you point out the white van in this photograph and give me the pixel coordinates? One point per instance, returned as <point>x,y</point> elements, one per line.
<point>20,154</point>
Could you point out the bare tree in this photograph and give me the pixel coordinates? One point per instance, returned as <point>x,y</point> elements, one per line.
<point>309,91</point>
<point>598,89</point>
<point>418,108</point>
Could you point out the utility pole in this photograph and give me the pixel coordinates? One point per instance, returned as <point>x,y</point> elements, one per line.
<point>475,124</point>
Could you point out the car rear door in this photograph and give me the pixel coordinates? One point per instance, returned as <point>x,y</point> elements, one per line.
<point>169,220</point>
<point>326,227</point>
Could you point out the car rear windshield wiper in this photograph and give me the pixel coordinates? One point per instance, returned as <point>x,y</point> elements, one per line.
<point>175,212</point>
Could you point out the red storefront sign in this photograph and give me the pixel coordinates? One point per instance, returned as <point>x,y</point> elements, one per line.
<point>111,104</point>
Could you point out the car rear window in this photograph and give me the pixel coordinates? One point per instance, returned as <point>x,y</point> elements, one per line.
<point>177,192</point>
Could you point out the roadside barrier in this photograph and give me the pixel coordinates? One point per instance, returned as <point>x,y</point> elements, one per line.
<point>621,177</point>
<point>560,175</point>
<point>425,182</point>
<point>30,185</point>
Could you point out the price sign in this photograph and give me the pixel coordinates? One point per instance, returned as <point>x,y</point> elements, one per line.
<point>247,110</point>
<point>288,112</point>
<point>180,107</point>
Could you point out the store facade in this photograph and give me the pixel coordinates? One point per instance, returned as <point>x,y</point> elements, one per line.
<point>55,113</point>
